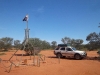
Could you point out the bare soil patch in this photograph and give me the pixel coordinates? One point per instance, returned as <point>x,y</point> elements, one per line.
<point>51,65</point>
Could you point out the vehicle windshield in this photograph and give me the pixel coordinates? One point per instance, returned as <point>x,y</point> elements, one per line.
<point>73,48</point>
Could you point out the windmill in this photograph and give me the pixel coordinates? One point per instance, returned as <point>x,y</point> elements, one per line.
<point>27,46</point>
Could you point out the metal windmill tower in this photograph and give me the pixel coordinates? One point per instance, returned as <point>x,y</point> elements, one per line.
<point>26,30</point>
<point>26,44</point>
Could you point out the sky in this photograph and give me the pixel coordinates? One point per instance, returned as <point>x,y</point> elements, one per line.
<point>49,20</point>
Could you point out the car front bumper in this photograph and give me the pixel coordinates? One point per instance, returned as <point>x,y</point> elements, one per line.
<point>84,55</point>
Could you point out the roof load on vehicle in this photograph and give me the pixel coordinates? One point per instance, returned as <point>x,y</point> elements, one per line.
<point>62,45</point>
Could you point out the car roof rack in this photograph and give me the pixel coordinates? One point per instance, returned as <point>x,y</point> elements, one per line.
<point>62,45</point>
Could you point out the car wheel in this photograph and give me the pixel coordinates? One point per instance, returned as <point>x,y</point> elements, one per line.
<point>59,55</point>
<point>77,56</point>
<point>63,56</point>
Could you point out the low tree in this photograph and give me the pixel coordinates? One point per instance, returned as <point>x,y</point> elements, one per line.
<point>45,45</point>
<point>78,43</point>
<point>94,41</point>
<point>53,44</point>
<point>66,40</point>
<point>1,45</point>
<point>36,42</point>
<point>72,42</point>
<point>17,44</point>
<point>6,43</point>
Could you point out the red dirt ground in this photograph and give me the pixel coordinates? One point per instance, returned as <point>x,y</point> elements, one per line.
<point>51,66</point>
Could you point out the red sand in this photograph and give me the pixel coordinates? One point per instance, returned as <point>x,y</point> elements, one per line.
<point>51,66</point>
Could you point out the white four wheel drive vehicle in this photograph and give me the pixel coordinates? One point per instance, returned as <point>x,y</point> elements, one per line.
<point>69,52</point>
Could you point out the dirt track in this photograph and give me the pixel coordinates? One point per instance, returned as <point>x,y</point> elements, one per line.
<point>51,66</point>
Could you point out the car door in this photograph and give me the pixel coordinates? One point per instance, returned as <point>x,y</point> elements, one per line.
<point>63,51</point>
<point>69,52</point>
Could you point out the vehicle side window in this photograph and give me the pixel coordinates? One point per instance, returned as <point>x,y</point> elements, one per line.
<point>57,48</point>
<point>69,49</point>
<point>63,48</point>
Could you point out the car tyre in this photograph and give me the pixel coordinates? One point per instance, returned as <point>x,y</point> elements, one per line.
<point>77,56</point>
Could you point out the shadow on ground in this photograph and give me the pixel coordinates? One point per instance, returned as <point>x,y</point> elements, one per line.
<point>92,58</point>
<point>87,58</point>
<point>21,54</point>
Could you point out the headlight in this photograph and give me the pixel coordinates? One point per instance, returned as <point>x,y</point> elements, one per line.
<point>83,54</point>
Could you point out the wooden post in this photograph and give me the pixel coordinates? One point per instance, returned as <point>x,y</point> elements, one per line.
<point>59,59</point>
<point>10,68</point>
<point>38,61</point>
<point>34,59</point>
<point>44,57</point>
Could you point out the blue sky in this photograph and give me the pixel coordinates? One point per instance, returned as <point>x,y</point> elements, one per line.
<point>49,20</point>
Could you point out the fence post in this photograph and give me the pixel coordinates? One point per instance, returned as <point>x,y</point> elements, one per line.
<point>38,61</point>
<point>59,59</point>
<point>10,68</point>
<point>44,57</point>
